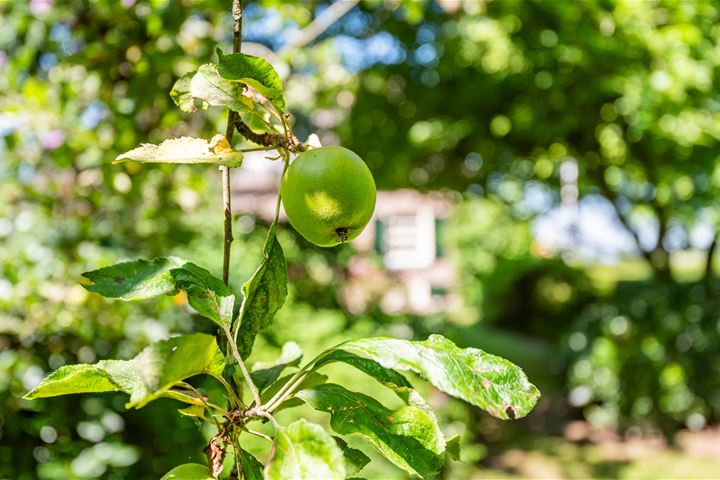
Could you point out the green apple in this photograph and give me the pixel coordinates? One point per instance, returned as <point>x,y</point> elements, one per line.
<point>329,195</point>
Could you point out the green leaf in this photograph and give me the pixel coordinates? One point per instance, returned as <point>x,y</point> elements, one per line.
<point>265,373</point>
<point>389,378</point>
<point>408,437</point>
<point>184,396</point>
<point>136,280</point>
<point>85,378</point>
<point>305,450</point>
<point>163,364</point>
<point>355,460</point>
<point>142,279</point>
<point>194,411</point>
<point>183,150</point>
<point>263,294</point>
<point>189,471</point>
<point>205,87</point>
<point>487,381</point>
<point>206,294</point>
<point>251,467</point>
<point>182,96</point>
<point>146,377</point>
<point>254,71</point>
<point>453,447</point>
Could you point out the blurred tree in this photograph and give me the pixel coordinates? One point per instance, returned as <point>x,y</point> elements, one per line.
<point>501,278</point>
<point>493,95</point>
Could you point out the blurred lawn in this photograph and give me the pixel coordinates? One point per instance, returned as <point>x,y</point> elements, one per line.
<point>688,266</point>
<point>555,457</point>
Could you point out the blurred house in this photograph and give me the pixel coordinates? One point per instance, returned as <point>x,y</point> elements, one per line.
<point>413,273</point>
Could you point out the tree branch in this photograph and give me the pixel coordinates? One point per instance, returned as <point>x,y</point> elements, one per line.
<point>330,15</point>
<point>710,254</point>
<point>660,256</point>
<point>248,379</point>
<point>267,139</point>
<point>612,197</point>
<point>237,11</point>
<point>228,235</point>
<point>225,171</point>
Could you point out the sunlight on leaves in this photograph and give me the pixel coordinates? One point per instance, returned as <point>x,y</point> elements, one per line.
<point>492,383</point>
<point>149,375</point>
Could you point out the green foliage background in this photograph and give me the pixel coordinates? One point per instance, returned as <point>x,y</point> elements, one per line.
<point>483,101</point>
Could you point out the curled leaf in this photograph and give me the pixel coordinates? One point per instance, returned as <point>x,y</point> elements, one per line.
<point>305,450</point>
<point>215,452</point>
<point>254,71</point>
<point>206,87</point>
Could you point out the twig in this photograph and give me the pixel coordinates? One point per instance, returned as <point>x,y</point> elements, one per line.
<point>710,255</point>
<point>267,415</point>
<point>259,434</point>
<point>243,368</point>
<point>205,403</point>
<point>293,382</point>
<point>267,139</point>
<point>228,235</point>
<point>257,149</point>
<point>237,12</point>
<point>329,16</point>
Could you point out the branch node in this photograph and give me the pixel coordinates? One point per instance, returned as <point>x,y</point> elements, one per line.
<point>267,139</point>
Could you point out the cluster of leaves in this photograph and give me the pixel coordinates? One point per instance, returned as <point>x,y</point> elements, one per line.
<point>409,437</point>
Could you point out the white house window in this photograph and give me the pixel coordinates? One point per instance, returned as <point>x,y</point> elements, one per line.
<point>407,242</point>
